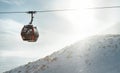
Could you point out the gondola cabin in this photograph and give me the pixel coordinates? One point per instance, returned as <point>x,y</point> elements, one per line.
<point>29,33</point>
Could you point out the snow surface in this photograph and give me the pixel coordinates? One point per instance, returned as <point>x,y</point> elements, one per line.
<point>97,54</point>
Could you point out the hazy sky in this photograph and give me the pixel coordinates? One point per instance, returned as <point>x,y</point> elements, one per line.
<point>56,29</point>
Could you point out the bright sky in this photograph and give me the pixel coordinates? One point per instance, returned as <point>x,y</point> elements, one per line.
<point>56,29</point>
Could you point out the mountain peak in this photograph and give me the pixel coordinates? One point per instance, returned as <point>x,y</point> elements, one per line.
<point>97,54</point>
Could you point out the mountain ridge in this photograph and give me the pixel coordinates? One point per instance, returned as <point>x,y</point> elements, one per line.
<point>96,54</point>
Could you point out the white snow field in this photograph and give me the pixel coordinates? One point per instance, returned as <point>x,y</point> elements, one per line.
<point>97,54</point>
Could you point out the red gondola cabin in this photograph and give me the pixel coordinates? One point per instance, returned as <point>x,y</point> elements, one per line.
<point>29,33</point>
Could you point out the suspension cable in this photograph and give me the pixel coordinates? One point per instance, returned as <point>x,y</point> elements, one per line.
<point>57,10</point>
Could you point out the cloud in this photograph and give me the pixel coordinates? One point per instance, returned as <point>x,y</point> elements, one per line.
<point>17,2</point>
<point>22,53</point>
<point>9,33</point>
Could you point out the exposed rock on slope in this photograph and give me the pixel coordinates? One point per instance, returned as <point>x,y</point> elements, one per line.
<point>97,54</point>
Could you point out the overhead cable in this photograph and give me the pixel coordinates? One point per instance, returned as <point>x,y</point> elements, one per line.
<point>58,10</point>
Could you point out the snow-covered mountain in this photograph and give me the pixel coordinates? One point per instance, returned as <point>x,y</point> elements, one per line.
<point>97,54</point>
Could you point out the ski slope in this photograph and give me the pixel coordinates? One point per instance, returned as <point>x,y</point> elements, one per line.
<point>97,54</point>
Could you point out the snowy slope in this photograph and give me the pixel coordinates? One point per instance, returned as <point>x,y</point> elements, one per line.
<point>97,54</point>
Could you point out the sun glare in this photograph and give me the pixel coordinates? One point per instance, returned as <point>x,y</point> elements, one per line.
<point>83,22</point>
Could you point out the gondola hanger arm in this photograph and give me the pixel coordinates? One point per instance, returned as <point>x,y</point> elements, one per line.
<point>32,15</point>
